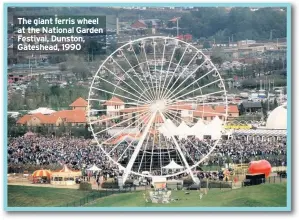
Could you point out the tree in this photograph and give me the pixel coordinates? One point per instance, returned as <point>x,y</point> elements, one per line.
<point>81,72</point>
<point>217,60</point>
<point>62,67</point>
<point>206,45</point>
<point>178,54</point>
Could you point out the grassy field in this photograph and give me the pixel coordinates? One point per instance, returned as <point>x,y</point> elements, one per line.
<point>267,195</point>
<point>28,196</point>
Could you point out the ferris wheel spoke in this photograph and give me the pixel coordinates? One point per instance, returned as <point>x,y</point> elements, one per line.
<point>112,93</point>
<point>155,70</point>
<point>177,65</point>
<point>121,131</point>
<point>123,81</point>
<point>170,62</point>
<point>113,126</point>
<point>197,97</point>
<point>115,117</point>
<point>104,100</point>
<point>137,148</point>
<point>139,64</point>
<point>211,83</point>
<point>171,95</point>
<point>196,111</point>
<point>149,96</point>
<point>182,83</point>
<point>116,86</point>
<point>162,64</point>
<point>148,68</point>
<point>185,68</point>
<point>180,151</point>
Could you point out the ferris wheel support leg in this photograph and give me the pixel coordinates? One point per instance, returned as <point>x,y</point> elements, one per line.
<point>195,180</point>
<point>137,149</point>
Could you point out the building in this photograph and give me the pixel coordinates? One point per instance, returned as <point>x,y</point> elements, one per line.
<point>148,23</point>
<point>79,103</point>
<point>251,107</point>
<point>177,111</point>
<point>74,117</point>
<point>114,105</point>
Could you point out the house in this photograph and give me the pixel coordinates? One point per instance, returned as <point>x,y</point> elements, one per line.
<point>148,23</point>
<point>74,117</point>
<point>185,111</point>
<point>232,111</point>
<point>114,105</point>
<point>39,119</point>
<point>79,103</point>
<point>206,113</point>
<point>251,107</point>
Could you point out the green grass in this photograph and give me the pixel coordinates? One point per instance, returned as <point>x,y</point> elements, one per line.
<point>28,196</point>
<point>266,195</point>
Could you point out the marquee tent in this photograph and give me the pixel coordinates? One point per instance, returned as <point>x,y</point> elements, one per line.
<point>173,166</point>
<point>94,168</point>
<point>183,130</point>
<point>198,129</point>
<point>214,128</point>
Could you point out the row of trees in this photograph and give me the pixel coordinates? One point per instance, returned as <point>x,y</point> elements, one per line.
<point>41,94</point>
<point>239,23</point>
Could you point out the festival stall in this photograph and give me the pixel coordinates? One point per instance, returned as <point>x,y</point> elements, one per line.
<point>41,176</point>
<point>172,166</point>
<point>65,176</point>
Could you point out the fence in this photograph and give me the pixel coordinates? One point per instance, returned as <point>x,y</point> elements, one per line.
<point>96,195</point>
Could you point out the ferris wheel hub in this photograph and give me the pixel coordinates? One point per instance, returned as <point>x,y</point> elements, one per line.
<point>158,105</point>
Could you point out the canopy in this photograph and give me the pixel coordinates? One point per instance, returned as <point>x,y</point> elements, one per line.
<point>183,130</point>
<point>172,166</point>
<point>168,128</point>
<point>41,173</point>
<point>198,129</point>
<point>214,128</point>
<point>66,172</point>
<point>94,168</point>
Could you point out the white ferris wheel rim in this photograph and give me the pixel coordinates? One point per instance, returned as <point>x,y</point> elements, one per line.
<point>131,43</point>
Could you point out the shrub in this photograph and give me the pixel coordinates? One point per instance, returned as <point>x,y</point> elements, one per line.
<point>114,185</point>
<point>85,186</point>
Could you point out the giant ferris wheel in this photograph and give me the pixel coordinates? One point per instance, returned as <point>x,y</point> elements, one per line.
<point>145,90</point>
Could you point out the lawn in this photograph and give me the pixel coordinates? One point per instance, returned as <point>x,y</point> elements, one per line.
<point>266,195</point>
<point>29,196</point>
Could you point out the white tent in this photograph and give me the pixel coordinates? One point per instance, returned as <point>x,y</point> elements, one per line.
<point>168,128</point>
<point>183,130</point>
<point>214,128</point>
<point>44,111</point>
<point>198,129</point>
<point>172,166</point>
<point>94,168</point>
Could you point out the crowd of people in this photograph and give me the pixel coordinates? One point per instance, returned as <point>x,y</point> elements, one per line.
<point>78,153</point>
